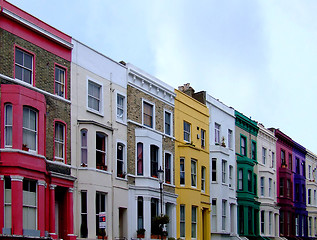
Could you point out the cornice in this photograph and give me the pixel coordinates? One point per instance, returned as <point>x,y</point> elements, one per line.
<point>246,124</point>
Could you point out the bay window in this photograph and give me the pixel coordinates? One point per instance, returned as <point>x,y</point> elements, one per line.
<point>30,128</point>
<point>101,151</point>
<point>8,125</point>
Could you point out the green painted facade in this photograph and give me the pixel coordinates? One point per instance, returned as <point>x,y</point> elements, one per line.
<point>247,198</point>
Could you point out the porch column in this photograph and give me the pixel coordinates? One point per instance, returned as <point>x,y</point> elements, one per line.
<point>70,215</point>
<point>41,207</point>
<point>147,216</point>
<point>52,211</point>
<point>1,202</point>
<point>17,205</point>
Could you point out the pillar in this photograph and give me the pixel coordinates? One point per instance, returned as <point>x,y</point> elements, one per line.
<point>1,202</point>
<point>17,205</point>
<point>70,215</point>
<point>52,212</point>
<point>41,207</point>
<point>147,216</point>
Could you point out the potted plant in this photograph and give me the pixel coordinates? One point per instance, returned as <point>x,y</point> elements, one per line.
<point>140,233</point>
<point>223,144</point>
<point>158,225</point>
<point>25,147</point>
<point>102,234</point>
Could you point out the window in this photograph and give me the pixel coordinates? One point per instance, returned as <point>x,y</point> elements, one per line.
<point>296,225</point>
<point>167,165</point>
<point>120,107</point>
<point>168,123</point>
<point>250,222</point>
<point>182,220</point>
<point>120,161</point>
<point>7,202</point>
<point>303,193</point>
<point>240,180</point>
<point>290,162</point>
<point>303,168</point>
<point>8,125</point>
<point>224,214</point>
<point>101,151</point>
<point>214,214</point>
<point>270,187</point>
<point>297,192</point>
<point>203,179</point>
<point>194,222</point>
<point>30,128</point>
<point>282,223</point>
<point>309,196</point>
<point>309,226</point>
<point>217,133</point>
<point>83,134</point>
<point>140,213</point>
<point>94,96</point>
<point>309,172</point>
<point>262,186</point>
<point>140,159</point>
<point>273,159</point>
<point>100,207</point>
<point>84,222</point>
<point>249,181</point>
<point>288,188</point>
<point>263,155</point>
<point>224,171</point>
<point>148,115</point>
<point>154,160</point>
<point>283,163</point>
<point>59,141</point>
<point>23,66</point>
<point>281,187</point>
<point>243,145</point>
<point>194,173</point>
<point>182,171</point>
<point>297,165</point>
<point>29,204</point>
<point>154,210</point>
<point>187,132</point>
<point>262,222</point>
<point>203,138</point>
<point>230,138</point>
<point>315,200</point>
<point>60,81</point>
<point>254,184</point>
<point>230,175</point>
<point>214,170</point>
<point>253,150</point>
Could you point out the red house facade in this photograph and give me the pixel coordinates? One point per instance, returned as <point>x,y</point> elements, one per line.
<point>36,188</point>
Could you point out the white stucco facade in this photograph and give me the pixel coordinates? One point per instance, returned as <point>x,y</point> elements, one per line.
<point>223,170</point>
<point>311,194</point>
<point>99,143</point>
<point>266,171</point>
<point>144,188</point>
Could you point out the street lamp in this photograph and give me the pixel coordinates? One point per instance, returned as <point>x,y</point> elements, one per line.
<point>160,173</point>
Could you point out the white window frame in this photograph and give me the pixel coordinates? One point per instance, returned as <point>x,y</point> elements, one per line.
<point>213,170</point>
<point>31,130</point>
<point>203,138</point>
<point>153,113</point>
<point>240,179</point>
<point>262,183</point>
<point>264,155</point>
<point>187,133</point>
<point>262,220</point>
<point>100,85</point>
<point>100,150</point>
<point>224,214</point>
<point>194,222</point>
<point>214,215</point>
<point>171,166</point>
<point>203,178</point>
<point>273,160</point>
<point>230,175</point>
<point>124,156</point>
<point>270,187</point>
<point>122,108</point>
<point>60,142</point>
<point>217,133</point>
<point>224,171</point>
<point>182,212</point>
<point>7,125</point>
<point>83,148</point>
<point>23,65</point>
<point>171,122</point>
<point>230,138</point>
<point>270,222</point>
<point>60,83</point>
<point>180,171</point>
<point>193,175</point>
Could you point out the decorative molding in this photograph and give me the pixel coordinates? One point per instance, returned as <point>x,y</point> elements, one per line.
<point>17,178</point>
<point>52,186</point>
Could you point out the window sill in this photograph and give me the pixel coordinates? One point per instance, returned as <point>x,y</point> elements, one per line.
<point>123,122</point>
<point>95,112</point>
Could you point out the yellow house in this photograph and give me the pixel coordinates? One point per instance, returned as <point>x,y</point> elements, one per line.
<point>192,164</point>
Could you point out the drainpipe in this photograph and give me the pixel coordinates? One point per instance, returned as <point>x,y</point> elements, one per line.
<point>113,150</point>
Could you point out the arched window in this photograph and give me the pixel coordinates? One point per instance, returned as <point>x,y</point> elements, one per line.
<point>140,159</point>
<point>120,160</point>
<point>154,160</point>
<point>8,125</point>
<point>83,134</point>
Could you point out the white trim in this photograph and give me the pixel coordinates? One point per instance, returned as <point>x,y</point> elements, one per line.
<point>153,112</point>
<point>172,183</point>
<point>124,143</point>
<point>171,122</point>
<point>96,82</point>
<point>124,118</point>
<point>37,28</point>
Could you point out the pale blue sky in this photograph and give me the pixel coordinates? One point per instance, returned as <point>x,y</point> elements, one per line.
<point>257,56</point>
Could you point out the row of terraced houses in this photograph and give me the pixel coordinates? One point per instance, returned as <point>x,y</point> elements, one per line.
<point>82,134</point>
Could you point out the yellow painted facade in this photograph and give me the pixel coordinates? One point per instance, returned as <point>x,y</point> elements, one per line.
<point>190,151</point>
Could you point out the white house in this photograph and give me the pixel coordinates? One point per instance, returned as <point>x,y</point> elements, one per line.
<point>223,170</point>
<point>99,143</point>
<point>266,170</point>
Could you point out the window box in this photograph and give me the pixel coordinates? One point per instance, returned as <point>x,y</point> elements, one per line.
<point>121,175</point>
<point>102,167</point>
<point>154,236</point>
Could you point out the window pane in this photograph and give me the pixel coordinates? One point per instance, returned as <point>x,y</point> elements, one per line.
<point>18,56</point>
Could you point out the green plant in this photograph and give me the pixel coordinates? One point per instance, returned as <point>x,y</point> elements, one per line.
<point>158,223</point>
<point>140,231</point>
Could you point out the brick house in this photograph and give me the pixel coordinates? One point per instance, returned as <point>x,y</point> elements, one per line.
<point>36,198</point>
<point>151,146</point>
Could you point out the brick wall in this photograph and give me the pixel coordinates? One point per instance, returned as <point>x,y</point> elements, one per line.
<point>44,79</point>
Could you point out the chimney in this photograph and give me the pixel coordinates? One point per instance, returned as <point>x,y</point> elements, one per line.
<point>187,89</point>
